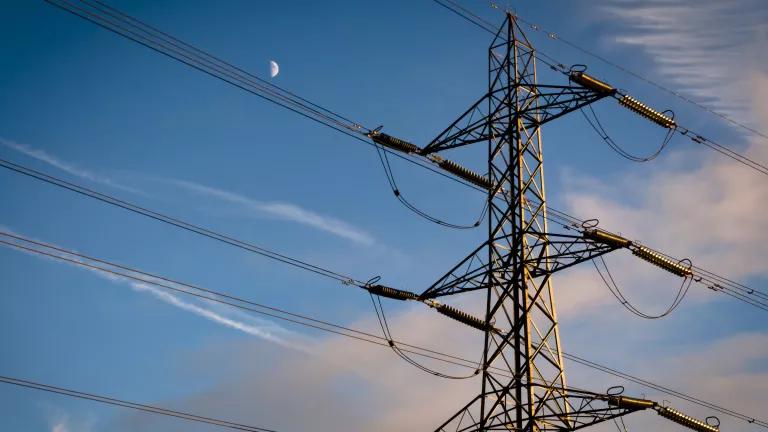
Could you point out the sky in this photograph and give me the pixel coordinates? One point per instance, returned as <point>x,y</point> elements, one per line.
<point>88,106</point>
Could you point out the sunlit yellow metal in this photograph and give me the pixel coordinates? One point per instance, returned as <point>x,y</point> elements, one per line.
<point>605,237</point>
<point>687,421</point>
<point>630,403</point>
<point>463,317</point>
<point>660,260</point>
<point>591,82</point>
<point>458,170</point>
<point>452,167</point>
<point>647,112</point>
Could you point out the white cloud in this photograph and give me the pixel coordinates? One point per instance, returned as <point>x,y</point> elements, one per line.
<point>347,384</point>
<point>355,386</point>
<point>65,166</point>
<point>62,421</point>
<point>699,49</point>
<point>281,210</point>
<point>60,427</point>
<point>691,203</point>
<point>712,213</point>
<point>285,211</point>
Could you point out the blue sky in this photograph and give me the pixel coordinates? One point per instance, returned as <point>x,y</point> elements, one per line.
<point>86,105</point>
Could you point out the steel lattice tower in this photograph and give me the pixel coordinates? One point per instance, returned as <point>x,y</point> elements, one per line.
<point>516,300</point>
<point>521,254</point>
<point>514,266</point>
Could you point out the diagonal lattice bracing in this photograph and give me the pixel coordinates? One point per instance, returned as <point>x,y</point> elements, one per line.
<point>514,266</point>
<point>585,409</point>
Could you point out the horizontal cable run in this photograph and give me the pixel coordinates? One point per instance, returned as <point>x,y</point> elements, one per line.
<point>135,275</point>
<point>631,103</point>
<point>558,37</point>
<point>133,29</point>
<point>742,293</point>
<point>174,45</point>
<point>71,257</point>
<point>132,405</point>
<point>178,223</point>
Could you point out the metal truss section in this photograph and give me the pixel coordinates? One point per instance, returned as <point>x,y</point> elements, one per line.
<point>514,266</point>
<point>584,408</point>
<point>549,253</point>
<point>546,103</point>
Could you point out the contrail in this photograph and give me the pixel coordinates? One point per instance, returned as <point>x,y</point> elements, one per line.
<point>67,167</point>
<point>260,332</point>
<point>266,332</point>
<point>282,210</point>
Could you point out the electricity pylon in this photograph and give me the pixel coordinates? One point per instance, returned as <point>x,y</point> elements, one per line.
<point>515,264</point>
<point>517,260</point>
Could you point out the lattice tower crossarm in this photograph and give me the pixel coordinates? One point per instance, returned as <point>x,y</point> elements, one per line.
<point>518,269</point>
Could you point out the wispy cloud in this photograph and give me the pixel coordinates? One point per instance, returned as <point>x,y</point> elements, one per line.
<point>282,210</point>
<point>65,166</point>
<point>61,421</point>
<point>701,48</point>
<point>712,213</point>
<point>266,330</point>
<point>60,426</point>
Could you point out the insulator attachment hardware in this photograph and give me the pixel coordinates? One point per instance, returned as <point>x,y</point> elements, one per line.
<point>463,317</point>
<point>452,167</point>
<point>458,170</point>
<point>647,112</point>
<point>630,403</point>
<point>393,142</point>
<point>591,83</point>
<point>687,421</point>
<point>392,293</point>
<point>602,236</point>
<point>660,260</point>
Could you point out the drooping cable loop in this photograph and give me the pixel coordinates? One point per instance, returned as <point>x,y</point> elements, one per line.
<point>384,159</point>
<point>597,126</point>
<point>379,310</point>
<point>613,287</point>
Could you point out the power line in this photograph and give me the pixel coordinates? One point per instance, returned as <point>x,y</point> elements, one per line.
<point>132,405</point>
<point>384,159</point>
<point>111,200</point>
<point>176,49</point>
<point>555,65</point>
<point>558,37</point>
<point>329,120</point>
<point>741,292</point>
<point>666,390</point>
<point>613,287</point>
<point>493,30</point>
<point>378,307</point>
<point>71,257</point>
<point>110,268</point>
<point>120,23</point>
<point>597,126</point>
<point>142,33</point>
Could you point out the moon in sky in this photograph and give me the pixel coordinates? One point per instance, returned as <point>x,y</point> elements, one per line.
<point>274,69</point>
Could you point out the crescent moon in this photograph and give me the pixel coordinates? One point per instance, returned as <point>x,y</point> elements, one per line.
<point>274,69</point>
